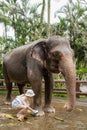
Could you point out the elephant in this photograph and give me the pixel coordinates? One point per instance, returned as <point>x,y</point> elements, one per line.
<point>32,62</point>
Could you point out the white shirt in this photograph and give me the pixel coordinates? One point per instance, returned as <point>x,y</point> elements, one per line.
<point>23,101</point>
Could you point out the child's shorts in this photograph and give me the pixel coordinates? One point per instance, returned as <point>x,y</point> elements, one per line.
<point>15,103</point>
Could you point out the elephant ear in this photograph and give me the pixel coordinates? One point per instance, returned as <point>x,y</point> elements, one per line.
<point>39,52</point>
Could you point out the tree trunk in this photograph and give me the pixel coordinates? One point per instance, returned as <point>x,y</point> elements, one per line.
<point>48,27</point>
<point>42,13</point>
<point>42,17</point>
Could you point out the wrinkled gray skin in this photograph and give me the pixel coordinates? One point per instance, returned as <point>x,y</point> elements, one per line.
<point>31,62</point>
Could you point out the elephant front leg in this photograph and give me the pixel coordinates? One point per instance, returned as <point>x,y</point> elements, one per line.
<point>37,103</point>
<point>48,93</point>
<point>35,79</point>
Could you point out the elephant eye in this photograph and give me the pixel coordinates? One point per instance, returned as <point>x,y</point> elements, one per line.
<point>56,60</point>
<point>55,55</point>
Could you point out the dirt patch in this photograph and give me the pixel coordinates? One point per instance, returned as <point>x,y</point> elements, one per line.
<point>61,120</point>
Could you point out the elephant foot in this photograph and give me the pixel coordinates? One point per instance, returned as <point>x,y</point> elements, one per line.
<point>8,102</point>
<point>68,107</point>
<point>40,112</point>
<point>49,109</point>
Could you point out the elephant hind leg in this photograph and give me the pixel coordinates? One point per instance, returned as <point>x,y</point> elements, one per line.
<point>9,90</point>
<point>21,88</point>
<point>8,85</point>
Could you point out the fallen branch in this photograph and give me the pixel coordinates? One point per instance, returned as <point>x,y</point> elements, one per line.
<point>58,118</point>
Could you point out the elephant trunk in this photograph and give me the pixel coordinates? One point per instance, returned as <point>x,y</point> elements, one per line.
<point>68,70</point>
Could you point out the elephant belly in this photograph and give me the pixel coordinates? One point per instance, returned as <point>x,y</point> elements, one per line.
<point>18,75</point>
<point>18,78</point>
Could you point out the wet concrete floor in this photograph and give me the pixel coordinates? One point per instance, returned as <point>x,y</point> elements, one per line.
<point>61,120</point>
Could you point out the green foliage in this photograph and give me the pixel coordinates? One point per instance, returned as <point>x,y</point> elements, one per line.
<point>82,73</point>
<point>59,28</point>
<point>24,20</point>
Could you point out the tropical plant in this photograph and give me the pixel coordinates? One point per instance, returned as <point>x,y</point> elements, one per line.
<point>75,27</point>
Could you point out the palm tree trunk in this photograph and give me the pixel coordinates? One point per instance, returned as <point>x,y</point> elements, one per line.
<point>5,32</point>
<point>42,17</point>
<point>48,26</point>
<point>42,12</point>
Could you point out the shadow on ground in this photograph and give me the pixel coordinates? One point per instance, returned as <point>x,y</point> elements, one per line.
<point>61,120</point>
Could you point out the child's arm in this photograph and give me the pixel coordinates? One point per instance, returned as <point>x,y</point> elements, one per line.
<point>32,110</point>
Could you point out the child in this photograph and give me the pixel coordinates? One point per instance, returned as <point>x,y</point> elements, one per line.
<point>22,103</point>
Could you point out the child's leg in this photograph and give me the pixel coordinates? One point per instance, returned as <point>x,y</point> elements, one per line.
<point>21,109</point>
